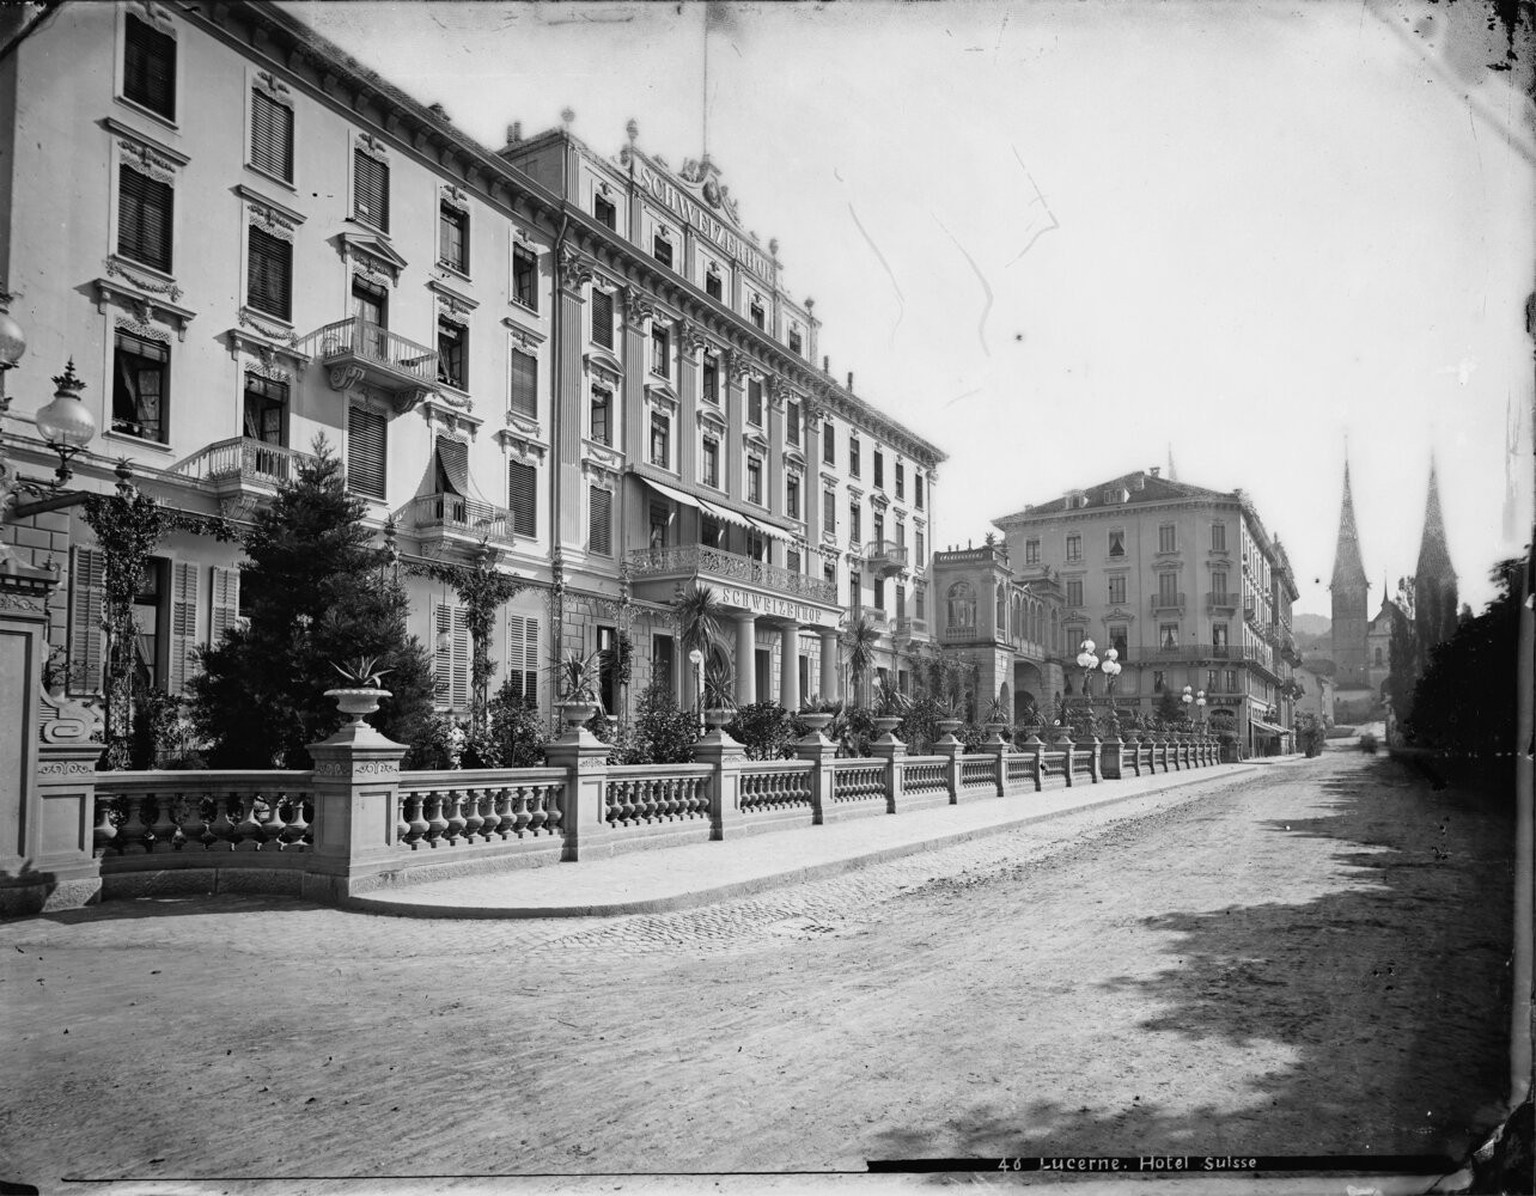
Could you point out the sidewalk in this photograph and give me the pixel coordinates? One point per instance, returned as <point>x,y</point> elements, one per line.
<point>673,878</point>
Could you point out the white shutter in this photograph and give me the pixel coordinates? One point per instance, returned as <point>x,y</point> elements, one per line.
<point>223,603</point>
<point>183,666</point>
<point>523,656</point>
<point>451,656</point>
<point>87,595</point>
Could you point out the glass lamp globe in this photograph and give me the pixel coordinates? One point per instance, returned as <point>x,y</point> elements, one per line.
<point>66,421</point>
<point>13,342</point>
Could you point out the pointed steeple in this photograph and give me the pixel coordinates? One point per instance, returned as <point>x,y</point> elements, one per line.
<point>1348,571</point>
<point>1434,554</point>
<point>1435,582</point>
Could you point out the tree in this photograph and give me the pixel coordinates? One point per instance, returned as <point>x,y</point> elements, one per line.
<point>860,642</point>
<point>1403,655</point>
<point>316,593</point>
<point>700,618</point>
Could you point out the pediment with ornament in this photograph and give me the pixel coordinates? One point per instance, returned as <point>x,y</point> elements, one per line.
<point>370,249</point>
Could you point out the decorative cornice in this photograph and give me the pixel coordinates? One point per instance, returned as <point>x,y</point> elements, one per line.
<point>575,269</point>
<point>135,144</point>
<point>603,362</point>
<point>528,337</point>
<point>145,308</point>
<point>142,278</point>
<point>268,210</point>
<point>638,308</point>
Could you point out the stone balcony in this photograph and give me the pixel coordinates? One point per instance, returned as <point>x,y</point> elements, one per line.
<point>355,351</point>
<point>656,572</point>
<point>1222,601</point>
<point>885,556</point>
<point>454,519</point>
<point>241,468</point>
<point>1161,602</point>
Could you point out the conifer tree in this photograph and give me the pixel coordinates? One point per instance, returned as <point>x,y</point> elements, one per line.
<point>316,594</point>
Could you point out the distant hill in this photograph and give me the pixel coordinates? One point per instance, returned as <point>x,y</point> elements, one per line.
<point>1313,625</point>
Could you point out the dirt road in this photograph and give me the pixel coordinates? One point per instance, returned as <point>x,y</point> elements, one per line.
<point>1312,960</point>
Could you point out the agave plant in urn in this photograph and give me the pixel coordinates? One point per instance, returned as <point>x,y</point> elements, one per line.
<point>361,694</point>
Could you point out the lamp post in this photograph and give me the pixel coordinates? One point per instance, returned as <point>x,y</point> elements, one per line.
<point>696,659</point>
<point>1088,662</point>
<point>1111,669</point>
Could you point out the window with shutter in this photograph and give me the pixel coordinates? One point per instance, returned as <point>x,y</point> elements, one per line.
<point>370,190</point>
<point>183,660</point>
<point>223,603</point>
<point>87,595</point>
<point>145,208</point>
<point>600,522</point>
<point>525,276</point>
<point>452,354</point>
<point>269,274</point>
<point>755,401</point>
<point>522,497</point>
<point>525,384</point>
<point>452,473</point>
<point>604,211</point>
<point>828,443</point>
<point>601,410</point>
<point>453,238</point>
<point>451,662</point>
<point>523,657</point>
<point>602,318</point>
<point>365,452</point>
<point>149,67</point>
<point>271,136</point>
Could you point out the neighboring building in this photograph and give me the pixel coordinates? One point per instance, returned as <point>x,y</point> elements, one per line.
<point>1316,695</point>
<point>244,240</point>
<point>1184,582</point>
<point>1379,646</point>
<point>1434,581</point>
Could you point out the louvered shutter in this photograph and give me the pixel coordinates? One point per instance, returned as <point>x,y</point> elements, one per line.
<point>87,596</point>
<point>149,67</point>
<point>452,656</point>
<point>223,603</point>
<point>370,189</point>
<point>269,274</point>
<point>145,208</point>
<point>183,664</point>
<point>600,522</point>
<point>523,657</point>
<point>453,465</point>
<point>602,318</point>
<point>365,452</point>
<point>271,135</point>
<point>522,497</point>
<point>525,384</point>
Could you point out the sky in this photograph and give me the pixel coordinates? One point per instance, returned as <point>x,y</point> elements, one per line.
<point>1067,241</point>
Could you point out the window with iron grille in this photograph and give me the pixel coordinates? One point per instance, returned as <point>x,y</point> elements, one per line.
<point>271,135</point>
<point>141,377</point>
<point>452,352</point>
<point>525,277</point>
<point>755,401</point>
<point>661,250</point>
<point>145,209</point>
<point>601,413</point>
<point>711,377</point>
<point>828,443</point>
<point>711,462</point>
<point>453,238</point>
<point>661,351</point>
<point>366,444</point>
<point>853,455</point>
<point>525,384</point>
<point>602,318</point>
<point>604,211</point>
<point>523,497</point>
<point>370,190</point>
<point>792,497</point>
<point>149,67</point>
<point>269,274</point>
<point>600,521</point>
<point>661,440</point>
<point>754,480</point>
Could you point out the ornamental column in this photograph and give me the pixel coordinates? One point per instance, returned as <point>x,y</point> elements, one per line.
<point>746,659</point>
<point>828,637</point>
<point>789,667</point>
<point>576,271</point>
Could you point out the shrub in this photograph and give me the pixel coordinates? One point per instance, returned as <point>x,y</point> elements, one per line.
<point>1309,734</point>
<point>764,729</point>
<point>516,735</point>
<point>663,734</point>
<point>1368,743</point>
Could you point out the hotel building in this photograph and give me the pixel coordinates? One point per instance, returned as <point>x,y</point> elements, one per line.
<point>245,240</point>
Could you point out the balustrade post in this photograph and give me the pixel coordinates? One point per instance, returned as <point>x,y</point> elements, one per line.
<point>1033,746</point>
<point>726,756</point>
<point>890,749</point>
<point>61,840</point>
<point>1109,755</point>
<point>1088,744</point>
<point>584,820</point>
<point>356,783</point>
<point>997,747</point>
<point>952,750</point>
<point>1131,740</point>
<point>821,751</point>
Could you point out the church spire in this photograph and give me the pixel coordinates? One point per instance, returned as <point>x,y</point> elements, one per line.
<point>1348,571</point>
<point>1435,581</point>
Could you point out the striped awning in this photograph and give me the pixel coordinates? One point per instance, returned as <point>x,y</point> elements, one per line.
<point>677,496</point>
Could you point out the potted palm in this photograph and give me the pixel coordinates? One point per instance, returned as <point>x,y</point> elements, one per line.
<point>579,682</point>
<point>361,694</point>
<point>996,720</point>
<point>949,720</point>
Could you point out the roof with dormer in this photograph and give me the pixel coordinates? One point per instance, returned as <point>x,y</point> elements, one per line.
<point>1132,489</point>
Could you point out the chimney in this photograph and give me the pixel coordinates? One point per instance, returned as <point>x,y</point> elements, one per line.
<point>826,365</point>
<point>850,380</point>
<point>514,132</point>
<point>1154,470</point>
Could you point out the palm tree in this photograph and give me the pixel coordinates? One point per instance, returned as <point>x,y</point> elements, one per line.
<point>860,642</point>
<point>700,617</point>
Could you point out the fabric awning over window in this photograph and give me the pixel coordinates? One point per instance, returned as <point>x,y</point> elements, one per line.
<point>1267,728</point>
<point>677,496</point>
<point>742,519</point>
<point>453,463</point>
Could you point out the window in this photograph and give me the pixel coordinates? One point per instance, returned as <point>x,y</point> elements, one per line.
<point>1167,539</point>
<point>1167,592</point>
<point>901,534</point>
<point>269,274</point>
<point>1031,552</point>
<point>917,490</point>
<point>1218,537</point>
<point>879,469</point>
<point>854,521</point>
<point>149,67</point>
<point>661,249</point>
<point>922,551</point>
<point>523,658</point>
<point>755,402</point>
<point>604,211</point>
<point>525,384</point>
<point>757,312</point>
<point>1117,543</point>
<point>879,595</point>
<point>452,344</point>
<point>523,497</point>
<point>370,190</point>
<point>451,664</point>
<point>1378,658</point>
<point>1117,590</point>
<point>855,591</point>
<point>662,654</point>
<point>452,469</point>
<point>711,377</point>
<point>525,277</point>
<point>1159,680</point>
<point>148,622</point>
<point>1168,635</point>
<point>794,341</point>
<point>829,573</point>
<point>877,529</point>
<point>754,480</point>
<point>266,414</point>
<point>901,600</point>
<point>602,318</point>
<point>1219,585</point>
<point>453,238</point>
<point>919,603</point>
<point>711,462</point>
<point>828,443</point>
<point>1075,591</point>
<point>145,207</point>
<point>712,285</point>
<point>1219,638</point>
<point>370,305</point>
<point>711,532</point>
<point>366,442</point>
<point>829,509</point>
<point>660,520</point>
<point>792,497</point>
<point>792,422</point>
<point>901,481</point>
<point>1117,640</point>
<point>271,136</point>
<point>1231,687</point>
<point>602,408</point>
<point>661,351</point>
<point>661,440</point>
<point>792,560</point>
<point>853,455</point>
<point>962,607</point>
<point>141,372</point>
<point>600,521</point>
<point>1074,547</point>
<point>1212,680</point>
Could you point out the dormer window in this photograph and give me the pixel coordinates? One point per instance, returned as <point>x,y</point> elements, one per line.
<point>712,284</point>
<point>604,211</point>
<point>794,342</point>
<point>661,249</point>
<point>758,316</point>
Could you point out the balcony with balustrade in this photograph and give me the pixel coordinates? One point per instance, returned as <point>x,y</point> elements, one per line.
<point>1167,602</point>
<point>242,468</point>
<point>452,519</point>
<point>356,351</point>
<point>1222,602</point>
<point>657,572</point>
<point>885,556</point>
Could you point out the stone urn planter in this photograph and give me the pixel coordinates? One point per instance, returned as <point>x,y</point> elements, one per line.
<point>886,726</point>
<point>995,732</point>
<point>818,721</point>
<point>358,702</point>
<point>576,714</point>
<point>947,729</point>
<point>717,716</point>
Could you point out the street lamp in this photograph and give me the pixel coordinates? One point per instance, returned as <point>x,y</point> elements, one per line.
<point>1087,661</point>
<point>1200,706</point>
<point>1111,669</point>
<point>696,659</point>
<point>65,424</point>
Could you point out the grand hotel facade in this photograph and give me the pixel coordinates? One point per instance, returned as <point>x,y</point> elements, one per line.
<point>243,239</point>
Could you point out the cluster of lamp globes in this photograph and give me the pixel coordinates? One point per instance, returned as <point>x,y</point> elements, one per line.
<point>1087,661</point>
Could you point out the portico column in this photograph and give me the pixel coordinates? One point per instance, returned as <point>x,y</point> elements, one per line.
<point>789,667</point>
<point>746,659</point>
<point>828,638</point>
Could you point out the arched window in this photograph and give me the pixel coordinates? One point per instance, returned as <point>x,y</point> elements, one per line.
<point>1002,611</point>
<point>962,607</point>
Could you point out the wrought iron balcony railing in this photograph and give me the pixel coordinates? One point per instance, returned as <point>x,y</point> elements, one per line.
<point>885,556</point>
<point>1222,600</point>
<point>1167,602</point>
<point>699,560</point>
